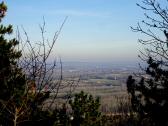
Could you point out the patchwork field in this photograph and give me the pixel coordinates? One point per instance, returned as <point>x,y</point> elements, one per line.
<point>110,87</point>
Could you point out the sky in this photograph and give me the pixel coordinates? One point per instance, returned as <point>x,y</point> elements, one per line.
<point>96,30</point>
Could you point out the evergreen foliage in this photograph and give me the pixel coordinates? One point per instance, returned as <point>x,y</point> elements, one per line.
<point>12,80</point>
<point>149,94</point>
<point>85,110</point>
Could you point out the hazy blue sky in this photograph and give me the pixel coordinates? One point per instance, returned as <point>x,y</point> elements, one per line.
<point>96,30</point>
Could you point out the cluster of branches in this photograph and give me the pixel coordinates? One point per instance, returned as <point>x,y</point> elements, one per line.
<point>27,76</point>
<point>156,23</point>
<point>149,94</point>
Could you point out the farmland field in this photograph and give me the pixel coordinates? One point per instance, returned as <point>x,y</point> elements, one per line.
<point>108,84</point>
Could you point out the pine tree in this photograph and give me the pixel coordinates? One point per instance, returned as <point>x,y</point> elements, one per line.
<point>12,80</point>
<point>85,110</point>
<point>149,93</point>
